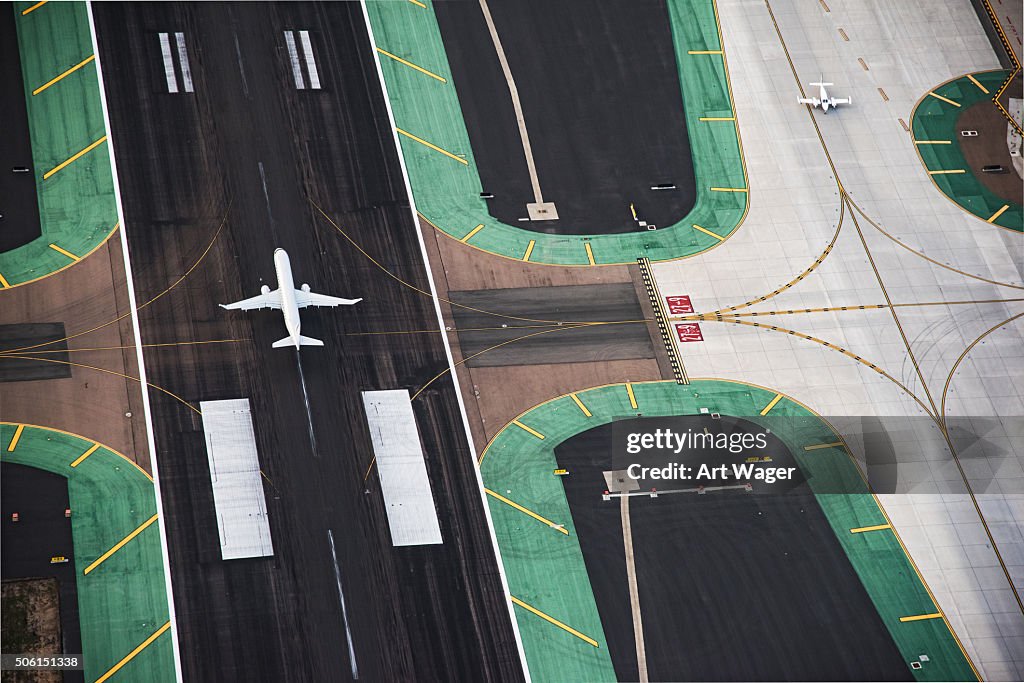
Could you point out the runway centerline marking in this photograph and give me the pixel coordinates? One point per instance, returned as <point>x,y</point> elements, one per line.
<point>33,8</point>
<point>708,232</point>
<point>472,232</point>
<point>17,437</point>
<point>431,146</point>
<point>582,407</point>
<point>526,511</point>
<point>632,396</point>
<point>131,655</point>
<point>877,527</point>
<point>74,158</point>
<point>944,99</point>
<point>65,252</point>
<point>552,620</point>
<point>922,617</point>
<point>70,71</point>
<point>767,408</point>
<point>998,213</point>
<point>122,543</point>
<point>344,611</point>
<point>529,429</point>
<point>409,64</point>
<point>80,459</point>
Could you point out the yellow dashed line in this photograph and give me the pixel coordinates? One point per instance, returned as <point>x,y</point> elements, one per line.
<point>411,65</point>
<point>819,446</point>
<point>843,34</point>
<point>944,99</point>
<point>529,250</point>
<point>863,64</point>
<point>83,456</point>
<point>632,396</point>
<point>554,621</point>
<point>75,157</point>
<point>17,435</point>
<point>65,252</point>
<point>70,71</point>
<point>124,541</point>
<point>885,98</point>
<point>903,123</point>
<point>922,617</point>
<point>526,511</point>
<point>877,527</point>
<point>590,253</point>
<point>131,655</point>
<point>708,232</point>
<point>432,146</point>
<point>532,431</point>
<point>472,232</point>
<point>581,406</point>
<point>973,80</point>
<point>33,7</point>
<point>998,213</point>
<point>778,397</point>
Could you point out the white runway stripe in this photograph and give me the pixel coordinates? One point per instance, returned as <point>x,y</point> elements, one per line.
<point>186,70</point>
<point>165,48</point>
<point>293,55</point>
<point>307,49</point>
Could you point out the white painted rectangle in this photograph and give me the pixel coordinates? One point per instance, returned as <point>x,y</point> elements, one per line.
<point>293,55</point>
<point>404,483</point>
<point>307,51</point>
<point>186,70</point>
<point>165,49</point>
<point>237,483</point>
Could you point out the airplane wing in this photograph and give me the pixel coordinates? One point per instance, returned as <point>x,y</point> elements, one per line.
<point>303,299</point>
<point>809,100</point>
<point>268,300</point>
<point>840,100</point>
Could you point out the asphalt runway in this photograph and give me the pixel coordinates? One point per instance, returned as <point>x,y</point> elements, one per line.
<point>19,211</point>
<point>42,532</point>
<point>605,126</point>
<point>615,303</point>
<point>725,578</point>
<point>29,335</point>
<point>246,154</point>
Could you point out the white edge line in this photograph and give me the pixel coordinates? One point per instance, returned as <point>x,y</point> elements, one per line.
<point>447,347</point>
<point>150,440</point>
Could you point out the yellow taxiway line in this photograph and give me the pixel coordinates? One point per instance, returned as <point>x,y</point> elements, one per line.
<point>409,64</point>
<point>78,461</point>
<point>997,214</point>
<point>418,3</point>
<point>933,142</point>
<point>767,408</point>
<point>472,232</point>
<point>4,282</point>
<point>529,250</point>
<point>877,527</point>
<point>526,511</point>
<point>947,172</point>
<point>432,146</point>
<point>728,189</point>
<point>974,80</point>
<point>70,71</point>
<point>529,429</point>
<point>708,232</point>
<point>124,541</point>
<point>922,617</point>
<point>556,622</point>
<point>717,118</point>
<point>17,436</point>
<point>33,7</point>
<point>819,446</point>
<point>131,655</point>
<point>75,157</point>
<point>65,252</point>
<point>944,99</point>
<point>703,52</point>
<point>632,396</point>
<point>581,406</point>
<point>590,253</point>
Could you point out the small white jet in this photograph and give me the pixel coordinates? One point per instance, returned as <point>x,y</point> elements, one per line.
<point>289,300</point>
<point>823,100</point>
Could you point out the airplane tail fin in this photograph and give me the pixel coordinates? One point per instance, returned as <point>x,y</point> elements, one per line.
<point>303,341</point>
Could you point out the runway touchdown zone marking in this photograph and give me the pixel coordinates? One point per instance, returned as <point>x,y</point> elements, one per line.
<point>298,60</point>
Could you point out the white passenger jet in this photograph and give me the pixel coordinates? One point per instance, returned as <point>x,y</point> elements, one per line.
<point>823,100</point>
<point>289,300</point>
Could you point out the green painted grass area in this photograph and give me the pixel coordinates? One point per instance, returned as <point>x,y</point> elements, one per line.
<point>76,204</point>
<point>545,568</point>
<point>934,119</point>
<point>446,187</point>
<point>123,601</point>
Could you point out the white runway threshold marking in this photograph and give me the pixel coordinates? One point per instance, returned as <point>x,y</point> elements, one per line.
<point>307,56</point>
<point>186,70</point>
<point>165,49</point>
<point>344,612</point>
